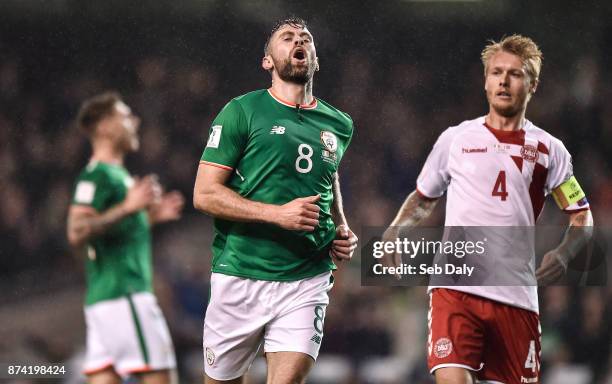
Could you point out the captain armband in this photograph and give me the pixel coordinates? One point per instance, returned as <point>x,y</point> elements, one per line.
<point>568,193</point>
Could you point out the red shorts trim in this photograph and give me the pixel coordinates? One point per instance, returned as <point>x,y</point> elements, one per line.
<point>497,341</point>
<point>91,371</point>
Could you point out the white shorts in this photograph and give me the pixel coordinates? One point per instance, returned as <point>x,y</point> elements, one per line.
<point>129,334</point>
<point>243,314</point>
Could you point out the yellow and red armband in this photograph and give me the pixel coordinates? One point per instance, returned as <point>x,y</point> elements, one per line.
<point>570,195</point>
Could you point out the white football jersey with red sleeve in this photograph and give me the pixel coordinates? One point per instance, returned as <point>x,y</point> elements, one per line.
<point>496,178</point>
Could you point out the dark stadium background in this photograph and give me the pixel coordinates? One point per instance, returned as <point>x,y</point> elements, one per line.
<point>404,70</point>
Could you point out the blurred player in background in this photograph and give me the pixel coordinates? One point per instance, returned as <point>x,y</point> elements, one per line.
<point>110,217</point>
<point>498,170</point>
<point>269,176</point>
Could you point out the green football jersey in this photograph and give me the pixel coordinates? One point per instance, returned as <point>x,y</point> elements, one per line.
<point>119,261</point>
<point>277,152</point>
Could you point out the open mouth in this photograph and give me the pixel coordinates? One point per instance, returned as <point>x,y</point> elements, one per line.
<point>299,54</point>
<point>503,94</point>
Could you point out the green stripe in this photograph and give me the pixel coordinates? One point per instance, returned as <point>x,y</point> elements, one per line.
<point>141,339</point>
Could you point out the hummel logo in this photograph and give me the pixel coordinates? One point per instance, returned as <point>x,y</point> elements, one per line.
<point>316,339</point>
<point>277,130</point>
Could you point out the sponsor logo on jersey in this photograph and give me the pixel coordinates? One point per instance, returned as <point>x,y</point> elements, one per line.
<point>443,348</point>
<point>277,130</point>
<point>215,136</point>
<point>529,153</point>
<point>474,150</point>
<point>316,339</point>
<point>330,141</point>
<point>210,356</point>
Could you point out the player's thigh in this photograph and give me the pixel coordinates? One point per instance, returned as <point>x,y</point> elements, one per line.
<point>453,375</point>
<point>298,326</point>
<point>233,326</point>
<point>154,334</point>
<point>106,376</point>
<point>513,346</point>
<point>130,334</point>
<point>288,367</point>
<point>456,332</point>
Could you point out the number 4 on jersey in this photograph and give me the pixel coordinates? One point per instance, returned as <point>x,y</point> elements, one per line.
<point>499,189</point>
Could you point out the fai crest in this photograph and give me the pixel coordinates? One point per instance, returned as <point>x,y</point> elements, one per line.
<point>210,356</point>
<point>329,140</point>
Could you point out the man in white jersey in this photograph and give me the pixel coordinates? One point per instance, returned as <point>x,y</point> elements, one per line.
<point>497,169</point>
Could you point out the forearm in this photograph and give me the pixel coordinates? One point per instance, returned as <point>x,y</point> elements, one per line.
<point>221,202</point>
<point>414,209</point>
<point>82,228</point>
<point>578,233</point>
<point>337,209</point>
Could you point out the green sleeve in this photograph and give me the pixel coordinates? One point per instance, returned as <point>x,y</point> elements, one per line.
<point>93,189</point>
<point>227,137</point>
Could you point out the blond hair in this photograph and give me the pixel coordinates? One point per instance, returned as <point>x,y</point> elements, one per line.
<point>523,47</point>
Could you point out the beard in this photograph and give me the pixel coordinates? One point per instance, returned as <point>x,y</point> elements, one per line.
<point>295,74</point>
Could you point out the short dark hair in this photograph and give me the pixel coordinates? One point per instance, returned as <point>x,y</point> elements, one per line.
<point>292,21</point>
<point>96,108</point>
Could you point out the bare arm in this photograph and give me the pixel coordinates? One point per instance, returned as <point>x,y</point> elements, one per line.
<point>337,209</point>
<point>345,243</point>
<point>85,223</point>
<point>214,198</point>
<point>416,207</point>
<point>579,232</point>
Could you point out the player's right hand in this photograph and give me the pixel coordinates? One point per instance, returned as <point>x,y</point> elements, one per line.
<point>301,214</point>
<point>143,193</point>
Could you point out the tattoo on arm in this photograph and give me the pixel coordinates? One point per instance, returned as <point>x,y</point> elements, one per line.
<point>85,226</point>
<point>414,210</point>
<point>578,233</point>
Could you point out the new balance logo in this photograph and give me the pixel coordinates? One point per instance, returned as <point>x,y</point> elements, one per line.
<point>277,130</point>
<point>316,339</point>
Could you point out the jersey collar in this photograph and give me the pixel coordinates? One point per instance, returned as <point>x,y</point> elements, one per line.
<point>507,137</point>
<point>312,105</point>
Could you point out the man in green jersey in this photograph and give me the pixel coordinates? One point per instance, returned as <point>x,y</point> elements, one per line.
<point>110,217</point>
<point>269,177</point>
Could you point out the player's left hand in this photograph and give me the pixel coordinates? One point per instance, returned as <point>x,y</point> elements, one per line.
<point>551,269</point>
<point>345,243</point>
<point>168,208</point>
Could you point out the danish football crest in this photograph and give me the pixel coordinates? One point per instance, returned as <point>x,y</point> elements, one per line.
<point>329,140</point>
<point>443,348</point>
<point>529,153</point>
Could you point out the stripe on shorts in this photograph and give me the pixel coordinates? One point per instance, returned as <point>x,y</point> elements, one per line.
<point>141,340</point>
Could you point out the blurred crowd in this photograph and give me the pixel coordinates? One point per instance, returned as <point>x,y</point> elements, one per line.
<point>401,96</point>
